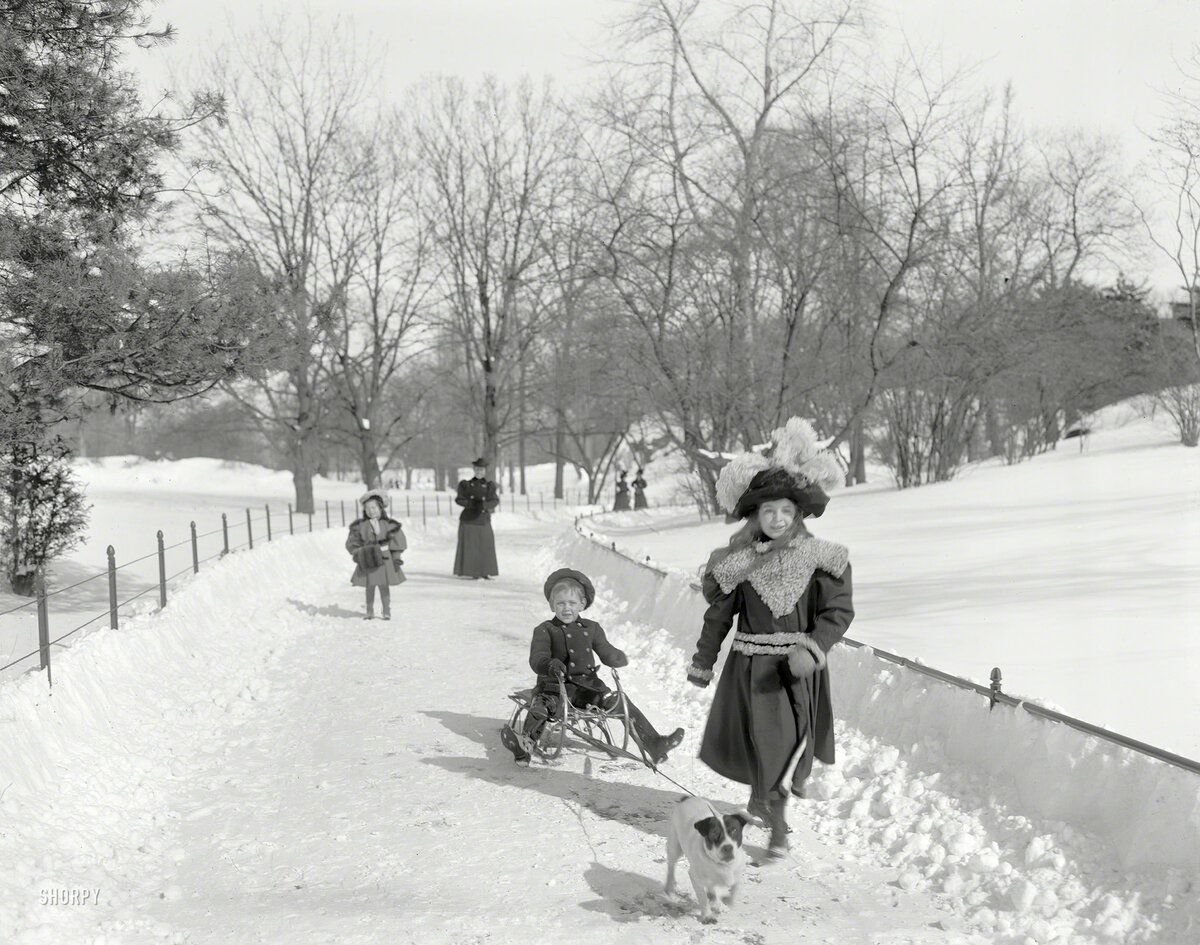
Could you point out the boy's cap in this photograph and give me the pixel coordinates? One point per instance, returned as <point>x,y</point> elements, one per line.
<point>563,574</point>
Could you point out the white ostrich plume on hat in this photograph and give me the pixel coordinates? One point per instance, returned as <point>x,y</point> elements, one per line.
<point>794,447</point>
<point>735,478</point>
<point>798,451</point>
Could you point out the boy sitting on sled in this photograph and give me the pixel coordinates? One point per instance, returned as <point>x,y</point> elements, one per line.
<point>564,646</point>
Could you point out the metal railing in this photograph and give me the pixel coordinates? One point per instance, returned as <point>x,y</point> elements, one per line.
<point>296,521</point>
<point>993,693</point>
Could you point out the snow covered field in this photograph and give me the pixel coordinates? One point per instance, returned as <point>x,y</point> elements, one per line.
<point>1077,573</point>
<point>132,498</point>
<point>257,764</point>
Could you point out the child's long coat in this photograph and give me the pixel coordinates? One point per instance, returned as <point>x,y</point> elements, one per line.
<point>761,715</point>
<point>370,565</point>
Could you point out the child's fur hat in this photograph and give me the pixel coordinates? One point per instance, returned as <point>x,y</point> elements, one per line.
<point>792,467</point>
<point>570,574</point>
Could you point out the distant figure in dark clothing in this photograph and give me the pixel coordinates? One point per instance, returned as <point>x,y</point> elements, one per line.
<point>479,498</point>
<point>639,491</point>
<point>622,502</point>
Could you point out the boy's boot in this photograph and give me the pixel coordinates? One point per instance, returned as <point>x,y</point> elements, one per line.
<point>513,742</point>
<point>654,745</point>
<point>777,848</point>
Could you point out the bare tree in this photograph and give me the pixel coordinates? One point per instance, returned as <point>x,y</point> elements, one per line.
<point>686,192</point>
<point>373,327</point>
<point>496,162</point>
<point>273,178</point>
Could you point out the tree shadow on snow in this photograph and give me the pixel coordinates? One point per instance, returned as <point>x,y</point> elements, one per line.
<point>644,808</point>
<point>330,610</point>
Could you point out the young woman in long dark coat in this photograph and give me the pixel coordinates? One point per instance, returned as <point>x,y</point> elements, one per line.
<point>375,542</point>
<point>475,556</point>
<point>639,491</point>
<point>791,596</point>
<point>621,504</point>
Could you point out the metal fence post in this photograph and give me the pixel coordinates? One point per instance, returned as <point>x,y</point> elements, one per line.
<point>327,513</point>
<point>195,550</point>
<point>423,522</point>
<point>249,530</point>
<point>407,510</point>
<point>437,504</point>
<point>267,510</point>
<point>43,619</point>
<point>225,533</point>
<point>512,501</point>
<point>996,691</point>
<point>291,528</point>
<point>162,572</point>
<point>310,515</point>
<point>112,584</point>
<point>342,505</point>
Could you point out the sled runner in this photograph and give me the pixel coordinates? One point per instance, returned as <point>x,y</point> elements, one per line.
<point>592,725</point>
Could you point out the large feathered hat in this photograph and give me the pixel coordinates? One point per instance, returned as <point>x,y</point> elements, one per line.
<point>793,466</point>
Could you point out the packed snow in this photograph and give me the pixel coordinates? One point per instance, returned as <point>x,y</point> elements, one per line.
<point>1032,831</point>
<point>1077,573</point>
<point>256,763</point>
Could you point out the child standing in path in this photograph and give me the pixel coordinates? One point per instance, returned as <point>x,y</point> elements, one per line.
<point>375,542</point>
<point>563,647</point>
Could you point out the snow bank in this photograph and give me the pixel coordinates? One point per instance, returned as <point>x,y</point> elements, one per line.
<point>1036,832</point>
<point>126,708</point>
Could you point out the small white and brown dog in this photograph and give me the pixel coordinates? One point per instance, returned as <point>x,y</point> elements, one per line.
<point>712,843</point>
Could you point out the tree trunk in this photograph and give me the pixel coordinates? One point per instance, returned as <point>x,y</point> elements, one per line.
<point>491,417</point>
<point>521,428</point>
<point>559,445</point>
<point>857,473</point>
<point>302,478</point>
<point>369,460</point>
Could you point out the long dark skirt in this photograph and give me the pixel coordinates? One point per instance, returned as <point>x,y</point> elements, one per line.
<point>758,720</point>
<point>476,554</point>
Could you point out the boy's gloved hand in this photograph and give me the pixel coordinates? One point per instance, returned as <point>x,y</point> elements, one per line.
<point>619,660</point>
<point>556,668</point>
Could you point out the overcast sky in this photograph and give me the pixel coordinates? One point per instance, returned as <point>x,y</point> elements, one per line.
<point>1095,64</point>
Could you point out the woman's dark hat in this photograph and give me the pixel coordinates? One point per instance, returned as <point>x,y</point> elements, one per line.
<point>479,462</point>
<point>562,574</point>
<point>778,483</point>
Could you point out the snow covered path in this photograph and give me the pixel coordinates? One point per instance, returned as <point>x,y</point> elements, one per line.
<point>369,801</point>
<point>259,765</point>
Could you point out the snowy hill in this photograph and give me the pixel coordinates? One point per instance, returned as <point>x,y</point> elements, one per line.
<point>1077,573</point>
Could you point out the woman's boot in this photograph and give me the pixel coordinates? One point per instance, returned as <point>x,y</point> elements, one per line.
<point>777,848</point>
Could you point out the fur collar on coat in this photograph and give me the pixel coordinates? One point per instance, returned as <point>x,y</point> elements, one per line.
<point>780,576</point>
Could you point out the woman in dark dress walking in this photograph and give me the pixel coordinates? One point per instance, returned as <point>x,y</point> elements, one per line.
<point>791,595</point>
<point>639,490</point>
<point>622,502</point>
<point>475,556</point>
